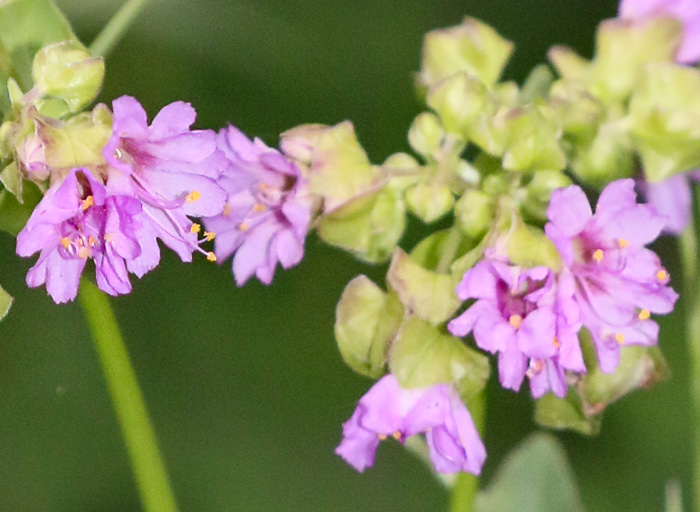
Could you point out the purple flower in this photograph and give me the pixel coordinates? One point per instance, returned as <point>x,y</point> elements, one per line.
<point>388,410</point>
<point>526,316</point>
<point>169,168</point>
<point>78,219</point>
<point>618,283</point>
<point>686,11</point>
<point>671,198</point>
<point>267,214</point>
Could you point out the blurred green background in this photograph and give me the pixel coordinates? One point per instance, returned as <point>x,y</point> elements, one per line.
<point>245,386</point>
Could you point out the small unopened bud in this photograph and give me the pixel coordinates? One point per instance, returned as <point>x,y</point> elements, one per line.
<point>425,135</point>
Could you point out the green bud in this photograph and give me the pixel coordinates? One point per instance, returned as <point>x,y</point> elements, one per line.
<point>530,247</point>
<point>369,226</point>
<point>422,356</point>
<point>366,321</point>
<point>5,302</point>
<point>578,111</point>
<point>471,47</point>
<point>403,171</point>
<point>425,135</point>
<point>608,157</point>
<point>299,142</point>
<point>428,295</point>
<point>624,49</point>
<point>461,102</point>
<point>429,202</point>
<point>67,71</point>
<point>538,192</point>
<point>429,252</point>
<point>474,213</point>
<point>665,120</point>
<point>537,85</point>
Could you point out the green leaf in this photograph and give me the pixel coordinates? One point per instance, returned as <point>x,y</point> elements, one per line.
<point>25,27</point>
<point>428,295</point>
<point>366,320</point>
<point>5,302</point>
<point>474,213</point>
<point>12,179</point>
<point>429,251</point>
<point>535,477</point>
<point>566,413</point>
<point>13,215</point>
<point>422,355</point>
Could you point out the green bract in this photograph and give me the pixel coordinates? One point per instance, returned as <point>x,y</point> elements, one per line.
<point>473,47</point>
<point>366,320</point>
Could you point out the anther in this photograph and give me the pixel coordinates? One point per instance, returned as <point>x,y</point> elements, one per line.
<point>209,235</point>
<point>91,241</point>
<point>195,228</point>
<point>598,255</point>
<point>243,226</point>
<point>211,256</point>
<point>515,320</point>
<point>84,253</point>
<point>65,242</point>
<point>538,367</point>
<point>622,243</point>
<point>193,196</point>
<point>396,435</point>
<point>259,208</point>
<point>620,338</point>
<point>382,437</point>
<point>644,314</point>
<point>662,275</point>
<point>108,237</point>
<point>227,210</point>
<point>88,202</point>
<point>556,343</point>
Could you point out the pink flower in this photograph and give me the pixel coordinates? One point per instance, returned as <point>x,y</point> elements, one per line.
<point>388,410</point>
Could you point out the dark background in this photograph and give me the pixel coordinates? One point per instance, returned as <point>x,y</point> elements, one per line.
<point>245,386</point>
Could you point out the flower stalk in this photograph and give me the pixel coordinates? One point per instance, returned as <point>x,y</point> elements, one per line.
<point>146,461</point>
<point>116,28</point>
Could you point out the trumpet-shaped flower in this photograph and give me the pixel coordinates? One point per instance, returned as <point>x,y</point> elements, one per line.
<point>388,410</point>
<point>171,169</point>
<point>528,318</point>
<point>618,282</point>
<point>267,214</point>
<point>78,219</point>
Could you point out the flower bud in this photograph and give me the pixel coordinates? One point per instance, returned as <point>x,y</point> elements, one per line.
<point>429,202</point>
<point>299,142</point>
<point>460,101</point>
<point>530,247</point>
<point>607,158</point>
<point>474,213</point>
<point>425,135</point>
<point>67,71</point>
<point>538,192</point>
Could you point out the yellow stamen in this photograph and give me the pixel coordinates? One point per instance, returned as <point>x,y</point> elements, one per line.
<point>515,320</point>
<point>644,314</point>
<point>211,256</point>
<point>227,210</point>
<point>109,237</point>
<point>243,226</point>
<point>209,235</point>
<point>65,242</point>
<point>264,186</point>
<point>622,243</point>
<point>598,255</point>
<point>556,342</point>
<point>88,202</point>
<point>538,366</point>
<point>259,208</point>
<point>84,253</point>
<point>193,196</point>
<point>195,228</point>
<point>382,437</point>
<point>396,435</point>
<point>662,275</point>
<point>620,338</point>
<point>91,241</point>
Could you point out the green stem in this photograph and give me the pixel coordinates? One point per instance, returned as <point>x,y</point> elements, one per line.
<point>466,486</point>
<point>146,461</point>
<point>688,246</point>
<point>116,28</point>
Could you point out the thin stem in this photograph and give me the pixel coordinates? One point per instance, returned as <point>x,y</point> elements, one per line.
<point>466,486</point>
<point>116,28</point>
<point>688,246</point>
<point>146,462</point>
